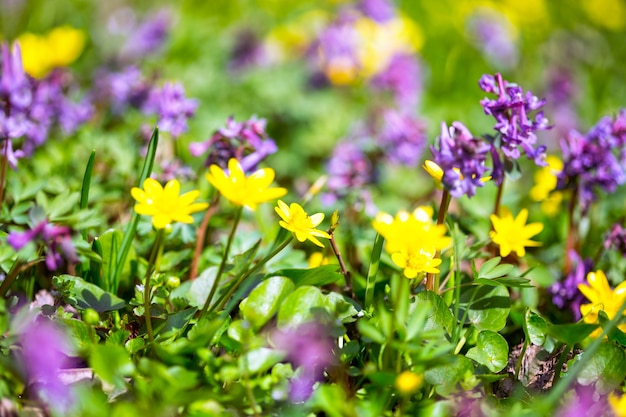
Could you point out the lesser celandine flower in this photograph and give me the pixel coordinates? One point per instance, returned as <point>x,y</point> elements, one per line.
<point>545,185</point>
<point>303,226</point>
<point>412,240</point>
<point>59,48</point>
<point>408,382</point>
<point>513,234</point>
<point>242,190</point>
<point>618,404</point>
<point>602,298</point>
<point>164,204</point>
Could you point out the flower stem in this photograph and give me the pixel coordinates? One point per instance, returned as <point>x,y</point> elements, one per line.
<point>220,270</point>
<point>344,271</point>
<point>200,237</point>
<point>222,301</point>
<point>496,206</point>
<point>432,280</point>
<point>571,232</point>
<point>157,247</point>
<point>18,267</point>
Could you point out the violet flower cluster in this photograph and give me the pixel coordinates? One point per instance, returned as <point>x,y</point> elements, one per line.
<point>616,239</point>
<point>492,35</point>
<point>147,37</point>
<point>30,108</point>
<point>309,347</point>
<point>55,239</point>
<point>462,159</point>
<point>595,160</point>
<point>246,141</point>
<point>129,89</point>
<point>515,125</point>
<point>565,293</point>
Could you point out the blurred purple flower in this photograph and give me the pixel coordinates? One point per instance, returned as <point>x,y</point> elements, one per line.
<point>514,123</point>
<point>44,349</point>
<point>248,51</point>
<point>379,10</point>
<point>565,294</point>
<point>402,78</point>
<point>336,47</point>
<point>246,141</point>
<point>148,37</point>
<point>616,239</point>
<point>584,401</point>
<point>56,239</point>
<point>462,159</point>
<point>594,160</point>
<point>492,34</point>
<point>171,106</point>
<point>310,348</point>
<point>123,89</point>
<point>349,169</point>
<point>402,138</point>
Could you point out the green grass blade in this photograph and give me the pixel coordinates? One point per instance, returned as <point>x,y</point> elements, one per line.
<point>84,192</point>
<point>373,270</point>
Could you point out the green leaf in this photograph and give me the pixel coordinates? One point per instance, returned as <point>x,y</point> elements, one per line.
<point>109,245</point>
<point>318,276</point>
<point>489,307</point>
<point>111,363</point>
<point>79,331</point>
<point>439,315</point>
<point>83,295</point>
<point>572,333</point>
<point>491,350</point>
<point>176,322</point>
<point>201,287</point>
<point>370,331</point>
<point>264,300</point>
<point>340,306</point>
<point>606,368</point>
<point>260,360</point>
<point>299,306</point>
<point>536,328</point>
<point>450,373</point>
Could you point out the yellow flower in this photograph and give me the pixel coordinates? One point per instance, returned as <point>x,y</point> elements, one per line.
<point>618,404</point>
<point>513,234</point>
<point>295,219</point>
<point>408,382</point>
<point>317,259</point>
<point>412,239</point>
<point>545,185</point>
<point>59,48</point>
<point>602,299</point>
<point>164,204</point>
<point>241,190</point>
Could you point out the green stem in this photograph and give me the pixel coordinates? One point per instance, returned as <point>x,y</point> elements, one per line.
<point>18,267</point>
<point>432,280</point>
<point>220,270</point>
<point>570,243</point>
<point>3,168</point>
<point>222,301</point>
<point>154,255</point>
<point>559,365</point>
<point>201,236</point>
<point>496,206</point>
<point>370,282</point>
<point>84,192</point>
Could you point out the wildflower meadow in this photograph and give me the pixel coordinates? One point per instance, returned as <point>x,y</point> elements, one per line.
<point>343,208</point>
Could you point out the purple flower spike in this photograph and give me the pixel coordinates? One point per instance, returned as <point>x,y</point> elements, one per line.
<point>44,349</point>
<point>379,10</point>
<point>310,348</point>
<point>402,78</point>
<point>402,138</point>
<point>462,159</point>
<point>148,37</point>
<point>565,294</point>
<point>172,107</point>
<point>56,239</point>
<point>246,141</point>
<point>514,123</point>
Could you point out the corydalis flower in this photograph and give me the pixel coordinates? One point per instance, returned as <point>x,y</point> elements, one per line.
<point>412,239</point>
<point>245,141</point>
<point>148,37</point>
<point>402,77</point>
<point>402,138</point>
<point>602,298</point>
<point>494,36</point>
<point>242,190</point>
<point>171,106</point>
<point>514,123</point>
<point>462,158</point>
<point>297,221</point>
<point>565,293</point>
<point>56,239</point>
<point>165,204</point>
<point>513,234</point>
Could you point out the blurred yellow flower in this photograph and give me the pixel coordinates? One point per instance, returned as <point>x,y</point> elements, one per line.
<point>294,36</point>
<point>610,14</point>
<point>513,234</point>
<point>618,404</point>
<point>164,204</point>
<point>408,382</point>
<point>412,239</point>
<point>317,259</point>
<point>545,185</point>
<point>602,298</point>
<point>296,220</point>
<point>59,48</point>
<point>242,190</point>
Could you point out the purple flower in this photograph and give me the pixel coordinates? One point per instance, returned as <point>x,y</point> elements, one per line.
<point>492,36</point>
<point>148,37</point>
<point>248,51</point>
<point>402,78</point>
<point>123,89</point>
<point>462,159</point>
<point>44,349</point>
<point>246,141</point>
<point>514,123</point>
<point>56,239</point>
<point>379,10</point>
<point>616,239</point>
<point>565,294</point>
<point>402,138</point>
<point>336,48</point>
<point>349,169</point>
<point>594,160</point>
<point>584,400</point>
<point>172,107</point>
<point>310,348</point>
